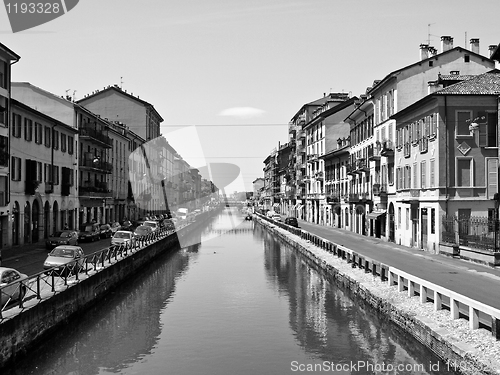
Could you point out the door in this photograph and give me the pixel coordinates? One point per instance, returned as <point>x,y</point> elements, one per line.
<point>423,228</point>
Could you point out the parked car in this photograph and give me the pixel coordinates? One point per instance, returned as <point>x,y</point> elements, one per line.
<point>105,231</point>
<point>115,227</point>
<point>122,237</point>
<point>89,232</point>
<point>11,285</point>
<point>65,258</point>
<point>292,221</point>
<point>276,217</point>
<point>65,237</point>
<point>153,224</point>
<point>142,231</point>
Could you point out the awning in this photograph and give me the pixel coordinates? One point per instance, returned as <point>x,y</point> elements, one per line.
<point>375,214</point>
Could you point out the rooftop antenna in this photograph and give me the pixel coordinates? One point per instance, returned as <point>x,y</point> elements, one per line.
<point>429,33</point>
<point>74,92</point>
<point>121,82</point>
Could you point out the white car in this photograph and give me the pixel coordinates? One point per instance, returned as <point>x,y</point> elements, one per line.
<point>122,237</point>
<point>276,217</point>
<point>152,224</point>
<point>11,285</point>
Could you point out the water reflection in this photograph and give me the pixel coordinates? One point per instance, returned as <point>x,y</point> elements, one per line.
<point>330,326</point>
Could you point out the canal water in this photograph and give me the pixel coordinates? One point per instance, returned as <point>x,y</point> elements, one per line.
<point>237,301</point>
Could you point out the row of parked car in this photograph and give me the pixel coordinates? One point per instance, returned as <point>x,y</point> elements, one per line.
<point>67,257</point>
<point>292,221</point>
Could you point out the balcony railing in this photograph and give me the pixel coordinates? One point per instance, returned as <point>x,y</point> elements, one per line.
<point>312,157</point>
<point>350,168</point>
<point>333,198</point>
<point>362,166</point>
<point>319,175</point>
<point>358,197</point>
<point>96,164</point>
<point>92,134</point>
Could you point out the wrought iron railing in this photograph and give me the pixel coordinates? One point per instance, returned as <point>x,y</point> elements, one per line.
<point>475,232</point>
<point>23,294</point>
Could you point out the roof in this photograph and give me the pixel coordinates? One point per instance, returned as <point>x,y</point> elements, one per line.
<point>12,54</point>
<point>484,84</point>
<point>122,92</point>
<point>456,49</point>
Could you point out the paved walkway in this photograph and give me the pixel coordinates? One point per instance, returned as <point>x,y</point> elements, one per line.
<point>476,281</point>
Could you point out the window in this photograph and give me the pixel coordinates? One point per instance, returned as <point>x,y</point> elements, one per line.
<point>423,180</point>
<point>432,166</point>
<point>466,58</point>
<point>47,136</point>
<point>399,217</point>
<point>28,129</point>
<point>48,174</point>
<point>16,125</point>
<point>415,175</point>
<point>55,172</point>
<point>39,171</point>
<point>407,218</point>
<point>55,139</point>
<point>16,169</point>
<point>464,175</point>
<point>433,125</point>
<point>63,142</point>
<point>492,176</point>
<point>462,122</point>
<point>487,129</point>
<point>431,63</point>
<point>70,145</point>
<point>38,133</point>
<point>390,173</point>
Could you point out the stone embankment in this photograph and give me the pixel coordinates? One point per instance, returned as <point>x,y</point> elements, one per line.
<point>465,351</point>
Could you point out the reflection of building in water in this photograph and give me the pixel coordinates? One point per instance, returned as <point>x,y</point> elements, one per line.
<point>122,329</point>
<point>327,323</point>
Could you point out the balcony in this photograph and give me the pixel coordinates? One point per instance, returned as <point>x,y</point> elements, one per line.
<point>374,152</point>
<point>379,190</point>
<point>95,164</point>
<point>362,166</point>
<point>95,136</point>
<point>312,157</point>
<point>358,197</point>
<point>333,198</point>
<point>94,189</point>
<point>388,148</point>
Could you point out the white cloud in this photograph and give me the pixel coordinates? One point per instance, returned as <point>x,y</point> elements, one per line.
<point>242,112</point>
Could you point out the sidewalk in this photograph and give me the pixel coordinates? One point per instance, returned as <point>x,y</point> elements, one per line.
<point>476,281</point>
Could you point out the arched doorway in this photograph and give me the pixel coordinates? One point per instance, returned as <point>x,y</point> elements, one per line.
<point>27,223</point>
<point>16,217</point>
<point>35,213</point>
<point>391,223</point>
<point>55,216</point>
<point>46,220</point>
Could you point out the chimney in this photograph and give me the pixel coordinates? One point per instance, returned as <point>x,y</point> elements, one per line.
<point>492,48</point>
<point>474,45</point>
<point>432,51</point>
<point>424,51</point>
<point>446,43</point>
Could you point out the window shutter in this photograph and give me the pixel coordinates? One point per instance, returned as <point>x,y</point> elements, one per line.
<point>492,177</point>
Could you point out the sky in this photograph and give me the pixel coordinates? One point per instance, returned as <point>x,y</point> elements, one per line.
<point>237,70</point>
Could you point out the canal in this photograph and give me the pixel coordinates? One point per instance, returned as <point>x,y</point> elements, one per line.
<point>236,301</point>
